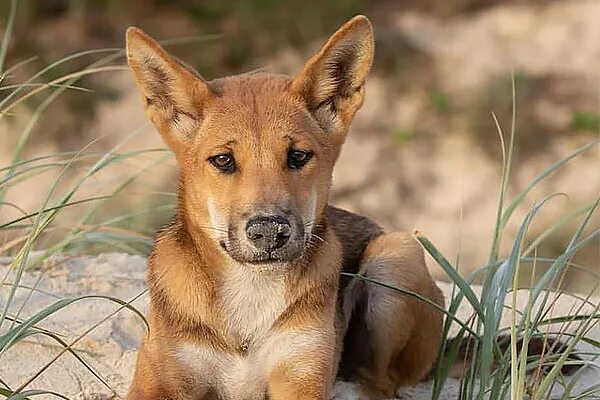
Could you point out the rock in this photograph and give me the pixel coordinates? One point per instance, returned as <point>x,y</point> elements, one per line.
<point>111,344</point>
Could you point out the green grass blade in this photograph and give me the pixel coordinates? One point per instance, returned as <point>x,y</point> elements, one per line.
<point>13,335</point>
<point>549,379</point>
<point>414,295</point>
<point>10,22</point>
<point>84,334</point>
<point>494,298</point>
<point>452,273</point>
<point>27,395</point>
<point>543,175</point>
<point>5,106</point>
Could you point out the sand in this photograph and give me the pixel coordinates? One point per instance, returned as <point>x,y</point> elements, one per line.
<point>110,348</point>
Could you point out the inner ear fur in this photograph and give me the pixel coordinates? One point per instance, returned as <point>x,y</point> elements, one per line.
<point>332,81</point>
<point>173,93</point>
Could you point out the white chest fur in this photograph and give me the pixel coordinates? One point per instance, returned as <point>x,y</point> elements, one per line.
<point>235,377</point>
<point>245,377</point>
<point>251,302</point>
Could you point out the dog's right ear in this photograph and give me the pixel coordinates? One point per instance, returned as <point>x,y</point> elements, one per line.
<point>174,94</point>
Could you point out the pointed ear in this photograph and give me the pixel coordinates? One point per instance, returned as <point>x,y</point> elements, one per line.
<point>174,94</point>
<point>332,81</point>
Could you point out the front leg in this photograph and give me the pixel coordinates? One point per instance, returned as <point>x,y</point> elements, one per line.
<point>146,385</point>
<point>306,371</point>
<point>160,376</point>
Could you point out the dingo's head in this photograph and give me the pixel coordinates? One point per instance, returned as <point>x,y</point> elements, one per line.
<point>256,151</point>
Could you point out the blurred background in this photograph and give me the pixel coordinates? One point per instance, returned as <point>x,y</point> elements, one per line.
<point>424,152</point>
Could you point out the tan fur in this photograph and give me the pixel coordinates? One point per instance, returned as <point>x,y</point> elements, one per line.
<point>225,325</point>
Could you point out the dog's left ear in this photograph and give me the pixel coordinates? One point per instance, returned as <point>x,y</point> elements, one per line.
<point>332,83</point>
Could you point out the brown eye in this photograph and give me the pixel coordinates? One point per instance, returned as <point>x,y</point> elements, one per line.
<point>223,162</point>
<point>298,158</point>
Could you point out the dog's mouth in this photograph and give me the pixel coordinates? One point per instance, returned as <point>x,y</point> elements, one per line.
<point>279,257</point>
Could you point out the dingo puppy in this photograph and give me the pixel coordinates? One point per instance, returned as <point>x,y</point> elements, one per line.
<point>247,300</point>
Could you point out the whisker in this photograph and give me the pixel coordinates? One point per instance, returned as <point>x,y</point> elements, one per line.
<point>317,236</point>
<point>213,228</point>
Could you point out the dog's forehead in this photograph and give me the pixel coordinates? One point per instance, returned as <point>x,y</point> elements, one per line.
<point>259,103</point>
<point>251,84</point>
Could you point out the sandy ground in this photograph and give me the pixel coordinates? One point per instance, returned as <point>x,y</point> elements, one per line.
<point>110,347</point>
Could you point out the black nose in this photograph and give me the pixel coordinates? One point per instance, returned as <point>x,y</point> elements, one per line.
<point>268,233</point>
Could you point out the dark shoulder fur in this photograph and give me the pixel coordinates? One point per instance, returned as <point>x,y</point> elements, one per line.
<point>354,232</point>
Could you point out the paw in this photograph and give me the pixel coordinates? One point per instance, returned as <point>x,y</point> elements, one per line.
<point>348,391</point>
